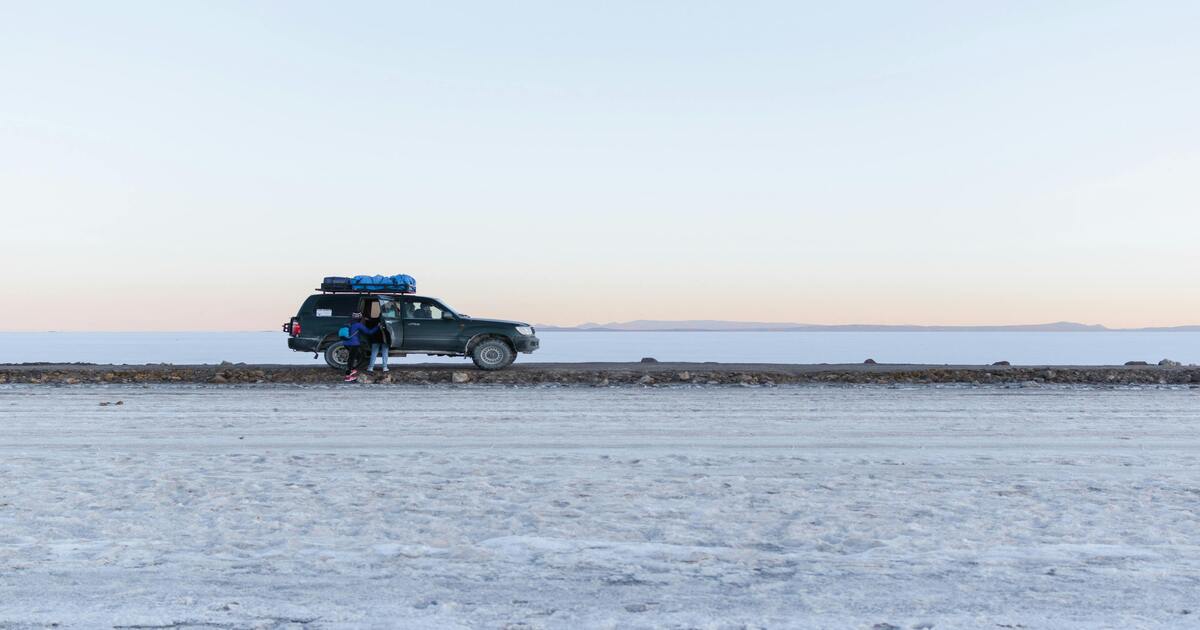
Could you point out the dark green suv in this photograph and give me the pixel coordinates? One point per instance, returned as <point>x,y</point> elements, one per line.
<point>412,324</point>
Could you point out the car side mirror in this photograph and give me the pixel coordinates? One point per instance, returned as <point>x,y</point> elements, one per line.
<point>447,316</point>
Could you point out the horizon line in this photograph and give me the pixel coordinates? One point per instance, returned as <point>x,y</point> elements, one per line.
<point>727,326</point>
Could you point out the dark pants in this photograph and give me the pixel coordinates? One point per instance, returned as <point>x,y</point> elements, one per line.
<point>354,358</point>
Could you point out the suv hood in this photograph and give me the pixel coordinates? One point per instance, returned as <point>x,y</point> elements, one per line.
<point>498,322</point>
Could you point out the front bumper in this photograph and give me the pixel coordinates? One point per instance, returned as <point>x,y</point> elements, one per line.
<point>527,344</point>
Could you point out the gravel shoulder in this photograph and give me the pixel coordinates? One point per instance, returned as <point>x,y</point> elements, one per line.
<point>606,374</point>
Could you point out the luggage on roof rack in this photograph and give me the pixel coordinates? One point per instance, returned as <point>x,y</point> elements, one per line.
<point>335,283</point>
<point>401,283</point>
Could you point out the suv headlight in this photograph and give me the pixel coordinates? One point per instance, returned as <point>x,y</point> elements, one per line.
<point>525,330</point>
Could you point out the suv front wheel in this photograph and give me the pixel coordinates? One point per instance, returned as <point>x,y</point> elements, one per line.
<point>492,354</point>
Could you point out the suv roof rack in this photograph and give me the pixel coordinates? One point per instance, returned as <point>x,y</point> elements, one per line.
<point>365,291</point>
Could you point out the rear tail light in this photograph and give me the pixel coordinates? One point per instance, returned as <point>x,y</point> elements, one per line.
<point>295,328</point>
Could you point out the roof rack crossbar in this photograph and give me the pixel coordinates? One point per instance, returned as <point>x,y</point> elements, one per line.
<point>367,291</point>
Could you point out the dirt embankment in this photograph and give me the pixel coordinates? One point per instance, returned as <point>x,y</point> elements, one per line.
<point>604,374</point>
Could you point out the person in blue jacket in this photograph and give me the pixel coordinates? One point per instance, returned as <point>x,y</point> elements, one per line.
<point>354,343</point>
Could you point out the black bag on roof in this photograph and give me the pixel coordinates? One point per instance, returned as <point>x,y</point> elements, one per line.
<point>335,283</point>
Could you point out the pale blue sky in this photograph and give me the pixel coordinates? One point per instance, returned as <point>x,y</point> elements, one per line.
<point>202,165</point>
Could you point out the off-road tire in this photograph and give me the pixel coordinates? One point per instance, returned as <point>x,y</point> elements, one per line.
<point>336,355</point>
<point>492,354</point>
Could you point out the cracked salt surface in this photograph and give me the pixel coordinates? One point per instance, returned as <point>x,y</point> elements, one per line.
<point>293,507</point>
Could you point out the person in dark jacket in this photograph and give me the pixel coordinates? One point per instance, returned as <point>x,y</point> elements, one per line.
<point>359,333</point>
<point>379,347</point>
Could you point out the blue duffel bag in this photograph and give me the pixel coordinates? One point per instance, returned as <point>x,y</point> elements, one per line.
<point>401,283</point>
<point>404,283</point>
<point>369,283</point>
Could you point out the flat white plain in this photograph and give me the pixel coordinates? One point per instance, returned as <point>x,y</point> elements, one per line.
<point>962,348</point>
<point>348,507</point>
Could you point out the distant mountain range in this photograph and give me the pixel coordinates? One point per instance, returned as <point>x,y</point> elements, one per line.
<point>716,325</point>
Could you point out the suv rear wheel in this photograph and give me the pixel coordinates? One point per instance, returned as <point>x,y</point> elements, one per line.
<point>337,354</point>
<point>492,354</point>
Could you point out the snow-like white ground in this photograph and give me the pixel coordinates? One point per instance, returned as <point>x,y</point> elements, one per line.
<point>961,348</point>
<point>351,507</point>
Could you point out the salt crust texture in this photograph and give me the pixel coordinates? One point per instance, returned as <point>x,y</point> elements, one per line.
<point>332,507</point>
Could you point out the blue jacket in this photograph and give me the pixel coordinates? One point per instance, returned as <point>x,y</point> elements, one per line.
<point>355,329</point>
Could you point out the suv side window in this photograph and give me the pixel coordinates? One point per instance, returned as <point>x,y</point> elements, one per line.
<point>422,309</point>
<point>391,309</point>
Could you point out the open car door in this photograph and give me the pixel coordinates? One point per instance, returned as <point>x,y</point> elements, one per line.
<point>389,308</point>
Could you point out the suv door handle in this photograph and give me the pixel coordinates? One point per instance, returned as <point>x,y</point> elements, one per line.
<point>412,324</point>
